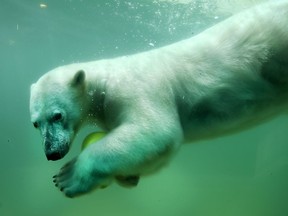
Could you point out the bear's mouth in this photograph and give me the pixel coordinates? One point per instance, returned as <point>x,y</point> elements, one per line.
<point>54,156</point>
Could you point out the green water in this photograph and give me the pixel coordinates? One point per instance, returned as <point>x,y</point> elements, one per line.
<point>240,175</point>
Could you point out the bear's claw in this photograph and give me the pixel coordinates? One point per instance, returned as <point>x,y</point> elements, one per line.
<point>74,180</point>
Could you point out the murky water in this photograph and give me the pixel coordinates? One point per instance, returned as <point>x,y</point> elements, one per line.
<point>240,175</point>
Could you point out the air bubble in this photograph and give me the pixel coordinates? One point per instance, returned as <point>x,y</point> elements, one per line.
<point>151,44</point>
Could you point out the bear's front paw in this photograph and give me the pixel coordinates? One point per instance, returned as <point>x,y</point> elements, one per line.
<point>76,178</point>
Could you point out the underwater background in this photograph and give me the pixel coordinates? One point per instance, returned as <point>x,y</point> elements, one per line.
<point>245,174</point>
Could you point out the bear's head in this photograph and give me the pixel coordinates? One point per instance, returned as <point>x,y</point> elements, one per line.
<point>57,105</point>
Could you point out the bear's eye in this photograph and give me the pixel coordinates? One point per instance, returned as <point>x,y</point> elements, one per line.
<point>35,124</point>
<point>57,117</point>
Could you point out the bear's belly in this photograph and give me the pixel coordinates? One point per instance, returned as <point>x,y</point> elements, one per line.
<point>207,122</point>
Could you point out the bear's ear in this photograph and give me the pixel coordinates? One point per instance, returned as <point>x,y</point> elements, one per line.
<point>78,79</point>
<point>32,87</point>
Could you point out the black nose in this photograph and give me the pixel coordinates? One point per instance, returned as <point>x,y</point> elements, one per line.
<point>53,156</point>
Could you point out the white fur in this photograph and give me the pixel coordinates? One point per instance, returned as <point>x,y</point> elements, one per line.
<point>230,77</point>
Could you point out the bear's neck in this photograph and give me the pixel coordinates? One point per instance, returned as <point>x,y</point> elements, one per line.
<point>95,97</point>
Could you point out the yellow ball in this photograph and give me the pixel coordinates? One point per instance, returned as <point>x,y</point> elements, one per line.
<point>92,138</point>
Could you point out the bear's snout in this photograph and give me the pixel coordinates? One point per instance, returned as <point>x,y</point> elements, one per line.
<point>56,151</point>
<point>55,147</point>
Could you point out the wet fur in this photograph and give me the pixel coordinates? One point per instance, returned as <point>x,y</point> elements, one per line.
<point>228,78</point>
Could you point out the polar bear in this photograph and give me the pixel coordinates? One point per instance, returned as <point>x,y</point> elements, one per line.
<point>230,77</point>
